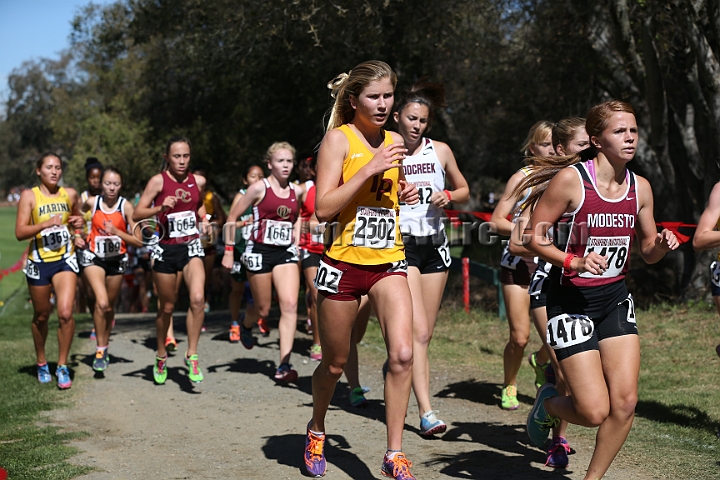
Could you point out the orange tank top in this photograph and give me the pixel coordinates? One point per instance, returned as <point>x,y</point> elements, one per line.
<point>100,242</point>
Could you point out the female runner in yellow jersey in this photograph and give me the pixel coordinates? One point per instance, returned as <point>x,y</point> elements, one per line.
<point>359,186</point>
<point>44,214</point>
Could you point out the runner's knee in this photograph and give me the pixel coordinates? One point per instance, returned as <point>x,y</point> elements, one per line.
<point>422,336</point>
<point>519,340</point>
<point>64,314</point>
<point>197,300</point>
<point>400,359</point>
<point>102,306</point>
<point>336,366</point>
<point>624,406</point>
<point>41,316</point>
<point>594,413</point>
<point>263,310</point>
<point>289,305</point>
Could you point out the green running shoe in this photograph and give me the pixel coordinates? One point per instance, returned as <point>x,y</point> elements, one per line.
<point>539,422</point>
<point>509,399</point>
<point>540,378</point>
<point>357,397</point>
<point>194,372</point>
<point>160,370</point>
<point>101,360</point>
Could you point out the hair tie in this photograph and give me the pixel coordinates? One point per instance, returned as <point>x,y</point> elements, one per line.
<point>337,83</point>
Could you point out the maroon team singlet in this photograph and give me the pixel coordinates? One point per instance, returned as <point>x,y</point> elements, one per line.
<point>274,217</point>
<point>599,225</point>
<point>180,222</point>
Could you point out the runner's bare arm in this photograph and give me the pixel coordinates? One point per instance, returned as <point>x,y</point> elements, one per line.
<point>331,196</point>
<point>130,238</point>
<point>75,220</point>
<point>706,236</point>
<point>143,209</point>
<point>253,195</point>
<point>562,195</point>
<point>407,192</point>
<point>519,237</point>
<point>461,190</point>
<point>653,245</point>
<point>24,230</point>
<point>506,205</point>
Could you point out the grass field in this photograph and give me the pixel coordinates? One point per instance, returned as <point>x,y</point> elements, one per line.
<point>28,448</point>
<point>678,413</point>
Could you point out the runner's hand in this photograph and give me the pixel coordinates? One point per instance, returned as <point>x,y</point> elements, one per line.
<point>168,203</point>
<point>666,240</point>
<point>387,158</point>
<point>109,227</point>
<point>594,263</point>
<point>228,260</point>
<point>76,221</point>
<point>439,199</point>
<point>54,221</point>
<point>79,242</point>
<point>407,192</point>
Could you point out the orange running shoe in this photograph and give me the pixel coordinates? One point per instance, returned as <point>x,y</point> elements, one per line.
<point>397,467</point>
<point>170,344</point>
<point>234,333</point>
<point>263,327</point>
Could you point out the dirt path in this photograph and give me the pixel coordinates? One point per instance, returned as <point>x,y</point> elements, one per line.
<point>240,423</point>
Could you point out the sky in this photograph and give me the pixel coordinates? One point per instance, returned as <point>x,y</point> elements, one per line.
<point>33,29</point>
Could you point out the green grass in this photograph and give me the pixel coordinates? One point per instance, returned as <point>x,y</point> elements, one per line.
<point>678,413</point>
<point>10,252</point>
<point>29,447</point>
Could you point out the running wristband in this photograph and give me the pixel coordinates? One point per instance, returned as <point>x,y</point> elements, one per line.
<point>568,259</point>
<point>447,192</point>
<point>77,233</point>
<point>229,248</point>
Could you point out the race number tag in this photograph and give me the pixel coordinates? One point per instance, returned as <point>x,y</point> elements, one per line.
<point>328,278</point>
<point>715,273</point>
<point>444,251</point>
<point>509,260</point>
<point>400,266</point>
<point>31,270</point>
<point>182,224</point>
<point>106,247</point>
<point>156,253</point>
<point>567,330</point>
<point>122,266</point>
<point>277,233</point>
<point>195,249</point>
<point>247,229</point>
<point>54,238</point>
<point>538,279</point>
<point>86,257</point>
<point>73,263</point>
<point>252,261</point>
<point>614,248</point>
<point>374,228</point>
<point>631,308</point>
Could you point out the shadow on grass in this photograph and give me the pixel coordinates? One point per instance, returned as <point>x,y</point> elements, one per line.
<point>479,392</point>
<point>288,450</point>
<point>681,415</point>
